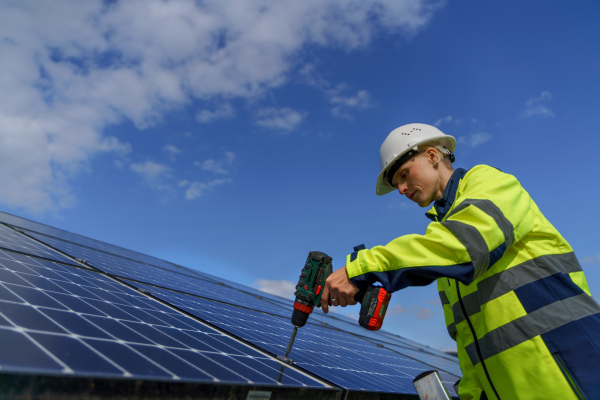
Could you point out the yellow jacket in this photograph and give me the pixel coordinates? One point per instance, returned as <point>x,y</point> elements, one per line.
<point>514,296</point>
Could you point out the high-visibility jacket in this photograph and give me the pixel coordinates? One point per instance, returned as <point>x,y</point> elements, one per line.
<point>514,296</point>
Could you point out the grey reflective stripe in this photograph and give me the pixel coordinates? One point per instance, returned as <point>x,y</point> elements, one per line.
<point>452,330</point>
<point>491,209</point>
<point>444,298</point>
<point>452,327</point>
<point>472,306</point>
<point>472,240</point>
<point>513,278</point>
<point>533,324</point>
<point>526,272</point>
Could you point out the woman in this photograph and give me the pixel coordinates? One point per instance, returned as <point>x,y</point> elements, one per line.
<point>514,296</point>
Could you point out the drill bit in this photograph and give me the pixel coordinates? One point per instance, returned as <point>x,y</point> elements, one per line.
<point>291,342</point>
<point>285,358</point>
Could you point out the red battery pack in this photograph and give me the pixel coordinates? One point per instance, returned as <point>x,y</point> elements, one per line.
<point>374,304</point>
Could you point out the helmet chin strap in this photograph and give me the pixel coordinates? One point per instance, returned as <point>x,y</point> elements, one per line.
<point>449,154</point>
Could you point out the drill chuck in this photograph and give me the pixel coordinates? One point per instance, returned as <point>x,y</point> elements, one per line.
<point>300,316</point>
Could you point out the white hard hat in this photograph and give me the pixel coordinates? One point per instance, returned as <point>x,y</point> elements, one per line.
<point>401,144</point>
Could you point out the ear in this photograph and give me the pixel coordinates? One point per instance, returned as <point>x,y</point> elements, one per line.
<point>432,156</point>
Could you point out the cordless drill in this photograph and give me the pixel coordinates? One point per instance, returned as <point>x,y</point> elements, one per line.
<point>374,299</point>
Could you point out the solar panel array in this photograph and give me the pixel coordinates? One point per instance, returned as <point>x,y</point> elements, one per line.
<point>86,318</point>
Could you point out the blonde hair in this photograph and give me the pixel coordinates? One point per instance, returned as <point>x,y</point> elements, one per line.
<point>441,150</point>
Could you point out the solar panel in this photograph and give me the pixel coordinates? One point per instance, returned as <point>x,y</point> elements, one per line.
<point>115,318</point>
<point>127,268</point>
<point>318,347</point>
<point>60,319</point>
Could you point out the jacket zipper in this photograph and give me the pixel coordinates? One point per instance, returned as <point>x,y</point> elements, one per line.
<point>568,376</point>
<point>475,341</point>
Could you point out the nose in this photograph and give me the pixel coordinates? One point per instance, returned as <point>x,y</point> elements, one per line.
<point>402,188</point>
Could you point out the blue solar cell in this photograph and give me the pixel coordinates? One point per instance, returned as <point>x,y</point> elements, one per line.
<point>29,318</point>
<point>34,297</point>
<point>117,329</point>
<point>12,277</point>
<point>130,360</point>
<point>76,305</point>
<point>76,355</point>
<point>216,370</point>
<point>171,362</point>
<point>47,284</point>
<point>8,295</point>
<point>74,323</point>
<point>18,353</point>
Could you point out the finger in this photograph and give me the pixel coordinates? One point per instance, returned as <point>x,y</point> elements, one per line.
<point>325,301</point>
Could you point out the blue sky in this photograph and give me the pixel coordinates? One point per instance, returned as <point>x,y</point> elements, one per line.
<point>236,136</point>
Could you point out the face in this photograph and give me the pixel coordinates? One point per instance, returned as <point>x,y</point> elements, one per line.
<point>419,180</point>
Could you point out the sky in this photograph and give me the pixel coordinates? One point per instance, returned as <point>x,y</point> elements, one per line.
<point>235,136</point>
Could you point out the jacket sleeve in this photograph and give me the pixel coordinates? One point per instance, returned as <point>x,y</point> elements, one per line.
<point>490,213</point>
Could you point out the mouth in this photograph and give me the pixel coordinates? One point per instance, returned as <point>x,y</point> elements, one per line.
<point>412,195</point>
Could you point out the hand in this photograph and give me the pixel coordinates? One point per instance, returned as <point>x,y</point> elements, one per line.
<point>338,291</point>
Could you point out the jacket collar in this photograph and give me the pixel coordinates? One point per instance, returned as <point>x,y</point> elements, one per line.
<point>442,206</point>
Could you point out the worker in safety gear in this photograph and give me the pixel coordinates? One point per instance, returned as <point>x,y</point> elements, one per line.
<point>514,296</point>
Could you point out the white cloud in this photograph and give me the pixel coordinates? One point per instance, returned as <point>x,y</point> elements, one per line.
<point>223,111</point>
<point>424,313</point>
<point>397,309</point>
<point>434,302</point>
<point>221,166</point>
<point>162,177</point>
<point>444,120</point>
<point>154,174</point>
<point>279,118</point>
<point>343,104</point>
<point>172,151</point>
<point>281,288</point>
<point>72,68</point>
<point>591,260</point>
<point>478,136</point>
<point>474,139</point>
<point>538,106</point>
<point>194,190</point>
